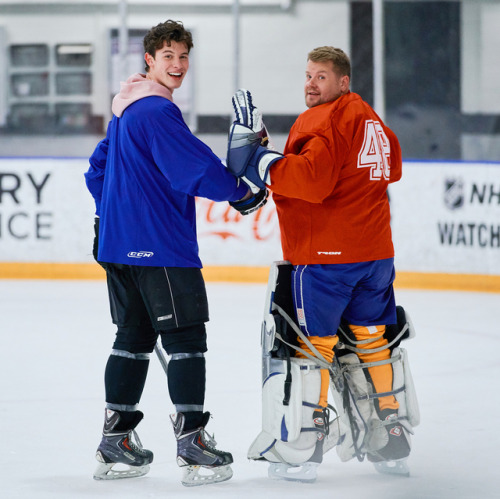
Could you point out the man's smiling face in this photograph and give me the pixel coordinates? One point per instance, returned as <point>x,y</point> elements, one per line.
<point>169,65</point>
<point>323,84</point>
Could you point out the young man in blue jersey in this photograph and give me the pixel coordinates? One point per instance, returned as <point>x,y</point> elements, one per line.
<point>144,177</point>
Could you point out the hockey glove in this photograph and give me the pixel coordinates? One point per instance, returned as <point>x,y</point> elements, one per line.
<point>95,246</point>
<point>247,114</point>
<point>247,158</point>
<point>251,204</point>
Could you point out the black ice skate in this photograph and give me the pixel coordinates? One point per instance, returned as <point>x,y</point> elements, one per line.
<point>392,457</point>
<point>117,447</point>
<point>196,453</point>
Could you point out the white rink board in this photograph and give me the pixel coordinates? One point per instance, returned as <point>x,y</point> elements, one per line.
<point>228,238</point>
<point>47,215</point>
<point>445,218</point>
<point>46,212</point>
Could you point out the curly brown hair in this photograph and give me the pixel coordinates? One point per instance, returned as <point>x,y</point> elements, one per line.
<point>166,32</point>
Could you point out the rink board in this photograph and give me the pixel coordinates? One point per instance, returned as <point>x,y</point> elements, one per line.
<point>445,220</point>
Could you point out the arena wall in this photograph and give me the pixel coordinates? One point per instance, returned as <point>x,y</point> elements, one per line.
<point>445,220</point>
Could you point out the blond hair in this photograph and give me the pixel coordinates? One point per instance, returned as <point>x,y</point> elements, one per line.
<point>340,60</point>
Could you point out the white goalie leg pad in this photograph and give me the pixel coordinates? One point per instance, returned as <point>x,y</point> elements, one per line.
<point>268,325</point>
<point>403,384</point>
<point>366,433</point>
<point>288,434</point>
<point>408,411</point>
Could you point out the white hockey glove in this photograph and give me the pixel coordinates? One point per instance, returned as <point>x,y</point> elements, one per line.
<point>247,114</point>
<point>247,156</point>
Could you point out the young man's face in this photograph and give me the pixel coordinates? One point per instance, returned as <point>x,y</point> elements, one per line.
<point>323,84</point>
<point>169,65</point>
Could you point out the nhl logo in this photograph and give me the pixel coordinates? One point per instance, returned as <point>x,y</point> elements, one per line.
<point>454,193</point>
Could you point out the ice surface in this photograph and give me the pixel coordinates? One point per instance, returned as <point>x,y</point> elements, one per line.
<point>55,339</point>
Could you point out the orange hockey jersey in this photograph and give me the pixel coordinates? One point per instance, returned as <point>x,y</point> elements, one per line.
<point>330,189</point>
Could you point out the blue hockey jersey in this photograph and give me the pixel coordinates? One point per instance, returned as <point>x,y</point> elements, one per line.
<point>144,177</point>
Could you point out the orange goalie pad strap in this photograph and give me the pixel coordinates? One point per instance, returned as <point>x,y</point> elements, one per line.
<point>324,345</point>
<point>381,375</point>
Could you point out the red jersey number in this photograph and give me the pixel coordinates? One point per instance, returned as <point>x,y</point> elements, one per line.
<point>376,151</point>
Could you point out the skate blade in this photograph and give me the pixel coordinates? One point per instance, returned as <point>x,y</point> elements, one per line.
<point>194,476</point>
<point>108,471</point>
<point>305,473</point>
<point>399,467</point>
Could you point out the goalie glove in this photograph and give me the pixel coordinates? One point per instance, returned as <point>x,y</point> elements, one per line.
<point>247,114</point>
<point>247,158</point>
<point>251,204</point>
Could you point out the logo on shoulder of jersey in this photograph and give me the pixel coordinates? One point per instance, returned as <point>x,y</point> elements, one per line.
<point>140,254</point>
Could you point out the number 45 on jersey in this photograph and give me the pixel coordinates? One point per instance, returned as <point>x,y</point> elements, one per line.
<point>376,151</point>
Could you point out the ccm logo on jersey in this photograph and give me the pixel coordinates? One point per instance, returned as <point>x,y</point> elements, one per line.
<point>140,254</point>
<point>329,252</point>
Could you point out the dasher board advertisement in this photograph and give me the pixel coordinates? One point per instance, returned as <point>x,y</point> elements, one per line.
<point>446,217</point>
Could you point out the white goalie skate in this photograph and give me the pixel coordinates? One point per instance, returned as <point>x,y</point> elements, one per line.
<point>306,472</point>
<point>399,467</point>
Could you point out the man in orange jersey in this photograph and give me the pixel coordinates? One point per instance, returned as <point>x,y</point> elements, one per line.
<point>330,190</point>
